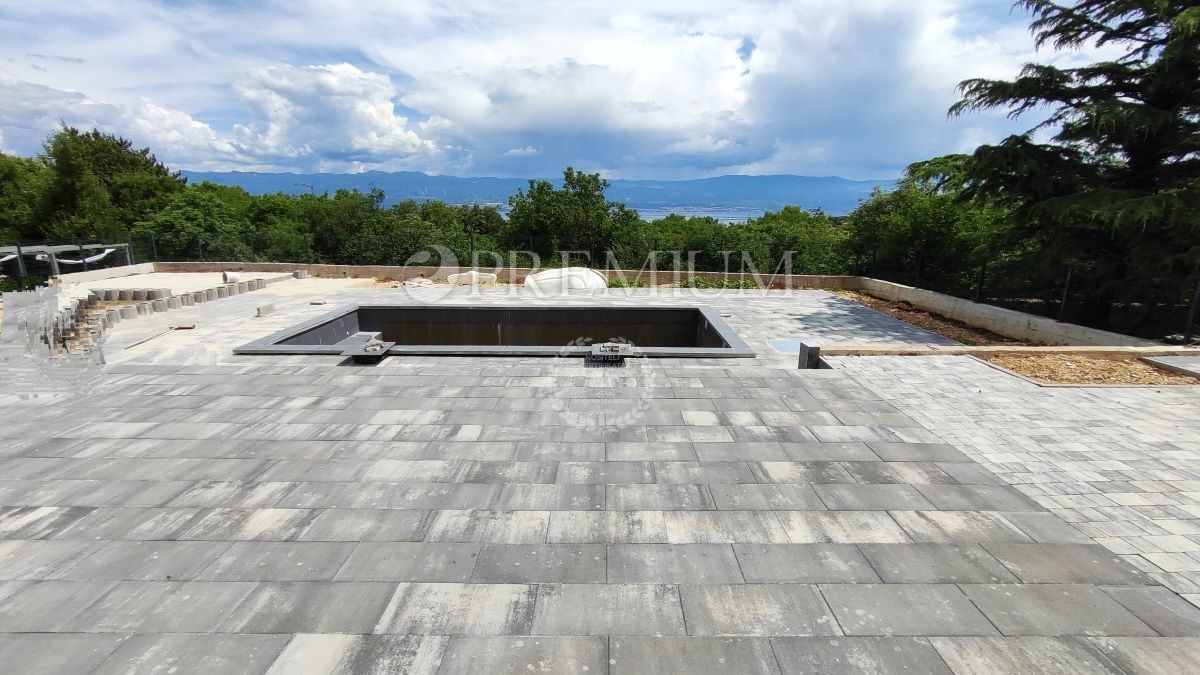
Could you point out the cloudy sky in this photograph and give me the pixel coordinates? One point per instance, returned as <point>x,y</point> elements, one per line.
<point>632,88</point>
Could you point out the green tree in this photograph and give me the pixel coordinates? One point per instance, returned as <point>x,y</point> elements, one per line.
<point>101,185</point>
<point>576,217</point>
<point>196,223</point>
<point>810,239</point>
<point>927,232</point>
<point>1115,190</point>
<point>278,230</point>
<point>335,221</point>
<point>23,184</point>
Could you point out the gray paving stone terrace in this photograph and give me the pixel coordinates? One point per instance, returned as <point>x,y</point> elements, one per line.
<point>200,512</point>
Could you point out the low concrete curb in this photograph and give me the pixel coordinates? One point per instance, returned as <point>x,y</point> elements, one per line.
<point>1115,352</point>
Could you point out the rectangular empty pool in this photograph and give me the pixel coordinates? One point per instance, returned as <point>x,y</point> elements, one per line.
<point>509,331</point>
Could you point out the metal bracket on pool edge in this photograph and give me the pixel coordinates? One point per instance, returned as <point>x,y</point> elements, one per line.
<point>612,353</point>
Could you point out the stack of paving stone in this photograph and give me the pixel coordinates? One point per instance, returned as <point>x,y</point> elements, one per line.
<point>146,301</point>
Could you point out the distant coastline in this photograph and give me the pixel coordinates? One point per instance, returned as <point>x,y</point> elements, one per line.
<point>728,198</point>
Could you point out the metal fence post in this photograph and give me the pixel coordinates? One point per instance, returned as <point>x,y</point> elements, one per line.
<point>53,258</point>
<point>128,252</point>
<point>21,271</point>
<point>1190,328</point>
<point>153,249</point>
<point>82,255</point>
<point>1062,306</point>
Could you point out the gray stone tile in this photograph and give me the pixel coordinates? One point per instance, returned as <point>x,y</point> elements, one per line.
<point>1066,564</point>
<point>466,655</point>
<point>608,609</point>
<point>559,452</point>
<point>1046,528</point>
<point>199,654</point>
<point>741,451</point>
<point>278,561</point>
<point>301,607</point>
<point>970,473</point>
<point>841,527</point>
<point>916,452</point>
<point>407,561</point>
<point>739,497</point>
<point>800,472</point>
<point>804,563</point>
<point>1159,608</point>
<point>875,655</point>
<point>331,654</point>
<point>724,527</point>
<point>606,472</point>
<point>703,472</point>
<point>231,494</point>
<point>496,527</point>
<point>541,563</point>
<point>908,609</point>
<point>659,498</point>
<point>146,561</point>
<point>935,564</point>
<point>431,496</point>
<point>460,609</point>
<point>41,559</point>
<point>1054,609</point>
<point>51,653</point>
<point>33,522</point>
<point>532,497</point>
<point>126,492</point>
<point>651,452</point>
<point>978,498</point>
<point>852,434</point>
<point>46,606</point>
<point>965,527</point>
<point>249,525</point>
<point>884,473</point>
<point>366,525</point>
<point>992,655</point>
<point>829,452</point>
<point>671,563</point>
<point>872,497</point>
<point>607,527</point>
<point>132,523</point>
<point>756,609</point>
<point>1117,462</point>
<point>1150,655</point>
<point>669,655</point>
<point>507,472</point>
<point>161,606</point>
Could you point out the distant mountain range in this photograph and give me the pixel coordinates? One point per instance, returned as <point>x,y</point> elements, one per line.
<point>833,195</point>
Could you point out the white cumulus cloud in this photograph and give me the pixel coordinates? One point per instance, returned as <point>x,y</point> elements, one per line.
<point>325,116</point>
<point>633,88</point>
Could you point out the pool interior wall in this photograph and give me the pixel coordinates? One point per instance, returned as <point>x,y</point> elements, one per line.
<point>696,331</point>
<point>507,327</point>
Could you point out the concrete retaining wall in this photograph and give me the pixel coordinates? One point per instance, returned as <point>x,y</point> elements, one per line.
<point>1007,322</point>
<point>106,273</point>
<point>509,275</point>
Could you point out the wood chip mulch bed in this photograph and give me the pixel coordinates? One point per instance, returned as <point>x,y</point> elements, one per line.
<point>947,328</point>
<point>1072,369</point>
